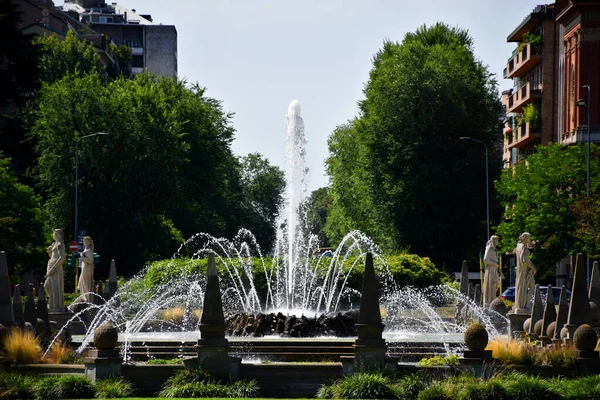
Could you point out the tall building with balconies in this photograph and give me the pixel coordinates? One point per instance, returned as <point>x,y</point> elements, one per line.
<point>531,104</point>
<point>153,47</point>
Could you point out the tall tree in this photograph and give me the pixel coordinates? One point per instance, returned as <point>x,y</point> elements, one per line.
<point>21,223</point>
<point>543,196</point>
<point>317,209</point>
<point>18,80</point>
<point>412,176</point>
<point>163,173</point>
<point>261,188</point>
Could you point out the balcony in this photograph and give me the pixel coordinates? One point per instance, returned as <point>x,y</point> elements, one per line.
<point>137,51</point>
<point>522,62</point>
<point>524,136</point>
<point>524,95</point>
<point>136,70</point>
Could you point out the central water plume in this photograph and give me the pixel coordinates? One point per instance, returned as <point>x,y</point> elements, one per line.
<point>291,244</point>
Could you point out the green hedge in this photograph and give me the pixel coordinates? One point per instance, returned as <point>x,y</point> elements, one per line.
<point>406,270</point>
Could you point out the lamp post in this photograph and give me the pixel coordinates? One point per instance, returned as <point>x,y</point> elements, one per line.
<point>487,185</point>
<point>77,179</point>
<point>586,104</point>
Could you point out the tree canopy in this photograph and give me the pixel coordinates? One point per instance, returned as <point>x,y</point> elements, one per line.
<point>543,196</point>
<point>399,170</point>
<point>164,172</point>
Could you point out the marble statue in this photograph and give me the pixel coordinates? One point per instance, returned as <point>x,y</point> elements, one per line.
<point>491,279</point>
<point>54,283</point>
<point>525,283</point>
<point>86,279</point>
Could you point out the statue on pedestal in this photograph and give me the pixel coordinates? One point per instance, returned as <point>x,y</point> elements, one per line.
<point>86,279</point>
<point>54,283</point>
<point>525,283</point>
<point>491,279</point>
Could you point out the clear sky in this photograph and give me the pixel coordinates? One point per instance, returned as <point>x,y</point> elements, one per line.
<point>256,56</point>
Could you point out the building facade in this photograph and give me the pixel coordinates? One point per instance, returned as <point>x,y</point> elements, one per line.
<point>555,62</point>
<point>154,47</point>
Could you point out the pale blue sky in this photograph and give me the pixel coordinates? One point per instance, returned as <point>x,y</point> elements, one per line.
<point>256,56</point>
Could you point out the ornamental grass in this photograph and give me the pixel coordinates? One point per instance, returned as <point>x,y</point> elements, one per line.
<point>22,347</point>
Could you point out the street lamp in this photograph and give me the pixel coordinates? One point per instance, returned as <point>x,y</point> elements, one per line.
<point>586,104</point>
<point>77,180</point>
<point>487,185</point>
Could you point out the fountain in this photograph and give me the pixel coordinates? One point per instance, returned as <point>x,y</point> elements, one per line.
<point>290,282</point>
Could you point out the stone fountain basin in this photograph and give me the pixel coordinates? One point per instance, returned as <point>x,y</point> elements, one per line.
<point>407,346</point>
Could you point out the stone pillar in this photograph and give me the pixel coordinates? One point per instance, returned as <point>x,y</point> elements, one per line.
<point>29,313</point>
<point>41,309</point>
<point>112,279</point>
<point>579,310</point>
<point>561,316</point>
<point>7,318</point>
<point>537,310</point>
<point>18,307</point>
<point>549,316</point>
<point>370,347</point>
<point>103,359</point>
<point>515,324</point>
<point>212,347</point>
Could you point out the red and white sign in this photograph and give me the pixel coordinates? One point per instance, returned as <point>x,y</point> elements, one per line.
<point>73,246</point>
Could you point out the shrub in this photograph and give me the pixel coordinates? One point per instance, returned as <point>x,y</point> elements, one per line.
<point>162,361</point>
<point>326,392</point>
<point>113,388</point>
<point>513,352</point>
<point>450,359</point>
<point>519,386</point>
<point>364,386</point>
<point>174,314</point>
<point>582,388</point>
<point>16,386</point>
<point>244,389</point>
<point>76,387</point>
<point>563,356</point>
<point>437,391</point>
<point>59,353</point>
<point>22,347</point>
<point>48,388</point>
<point>188,390</point>
<point>409,387</point>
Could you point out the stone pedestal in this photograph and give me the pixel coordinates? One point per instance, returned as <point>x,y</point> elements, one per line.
<point>477,355</point>
<point>75,327</point>
<point>100,364</point>
<point>515,323</point>
<point>213,357</point>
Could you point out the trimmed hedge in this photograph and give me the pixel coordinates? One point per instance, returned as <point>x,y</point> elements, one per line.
<point>406,270</point>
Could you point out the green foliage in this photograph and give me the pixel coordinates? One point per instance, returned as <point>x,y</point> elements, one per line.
<point>19,74</point>
<point>48,388</point>
<point>539,196</point>
<point>16,386</point>
<point>519,386</point>
<point>260,198</point>
<point>197,383</point>
<point>75,387</point>
<point>399,171</point>
<point>126,188</point>
<point>450,359</point>
<point>360,386</point>
<point>123,57</point>
<point>587,214</point>
<point>113,388</point>
<point>162,361</point>
<point>531,114</point>
<point>21,223</point>
<point>318,206</point>
<point>70,56</point>
<point>534,38</point>
<point>409,387</point>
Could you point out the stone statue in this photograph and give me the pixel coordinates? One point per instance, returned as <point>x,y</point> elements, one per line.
<point>86,279</point>
<point>54,284</point>
<point>525,283</point>
<point>491,279</point>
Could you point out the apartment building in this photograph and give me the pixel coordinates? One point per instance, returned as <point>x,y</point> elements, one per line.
<point>153,46</point>
<point>557,52</point>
